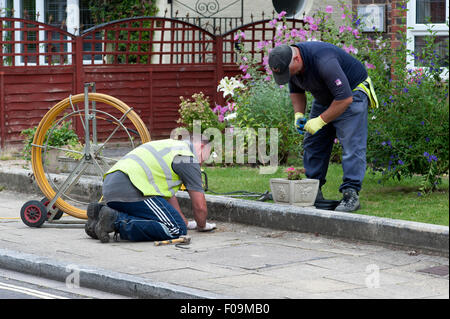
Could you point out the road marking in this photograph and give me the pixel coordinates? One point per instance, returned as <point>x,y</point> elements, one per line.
<point>30,292</point>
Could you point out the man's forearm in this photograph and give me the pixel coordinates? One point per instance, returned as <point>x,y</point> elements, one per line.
<point>298,102</point>
<point>199,207</point>
<point>174,202</point>
<point>336,108</point>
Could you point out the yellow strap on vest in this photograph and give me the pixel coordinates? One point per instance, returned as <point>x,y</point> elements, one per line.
<point>367,88</point>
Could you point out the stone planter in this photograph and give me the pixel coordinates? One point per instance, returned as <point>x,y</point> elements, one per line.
<point>294,192</point>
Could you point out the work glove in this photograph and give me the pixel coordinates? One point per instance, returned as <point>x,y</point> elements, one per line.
<point>208,227</point>
<point>193,225</point>
<point>315,124</point>
<point>300,121</point>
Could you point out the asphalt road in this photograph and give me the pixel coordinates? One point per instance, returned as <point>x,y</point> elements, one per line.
<point>14,285</point>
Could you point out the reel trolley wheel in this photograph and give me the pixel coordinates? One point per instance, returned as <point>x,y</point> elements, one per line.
<point>33,213</point>
<point>105,128</point>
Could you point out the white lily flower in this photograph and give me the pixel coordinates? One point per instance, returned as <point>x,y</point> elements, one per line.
<point>230,116</point>
<point>228,85</point>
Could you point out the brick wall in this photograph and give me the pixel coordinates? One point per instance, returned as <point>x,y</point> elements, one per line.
<point>395,19</point>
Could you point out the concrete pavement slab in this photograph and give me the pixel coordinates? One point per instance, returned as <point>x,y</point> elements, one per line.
<point>235,261</point>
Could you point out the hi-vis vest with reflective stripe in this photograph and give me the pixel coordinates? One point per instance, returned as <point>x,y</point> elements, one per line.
<point>367,87</point>
<point>149,167</point>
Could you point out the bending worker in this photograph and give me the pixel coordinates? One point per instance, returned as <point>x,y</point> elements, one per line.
<point>139,191</point>
<point>342,91</point>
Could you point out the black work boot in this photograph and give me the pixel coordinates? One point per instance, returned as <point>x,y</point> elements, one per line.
<point>105,224</point>
<point>93,211</point>
<point>350,202</point>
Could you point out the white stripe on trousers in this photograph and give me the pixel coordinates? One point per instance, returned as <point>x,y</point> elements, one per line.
<point>161,215</point>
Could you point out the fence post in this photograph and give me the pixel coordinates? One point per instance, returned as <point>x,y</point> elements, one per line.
<point>218,98</point>
<point>78,64</point>
<point>79,76</point>
<point>2,110</point>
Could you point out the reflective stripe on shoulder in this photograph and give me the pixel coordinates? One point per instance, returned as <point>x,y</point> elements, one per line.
<point>147,171</point>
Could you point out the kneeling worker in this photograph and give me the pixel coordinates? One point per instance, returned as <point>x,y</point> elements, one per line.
<point>139,191</point>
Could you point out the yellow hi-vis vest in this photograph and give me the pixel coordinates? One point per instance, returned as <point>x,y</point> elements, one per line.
<point>367,87</point>
<point>149,167</point>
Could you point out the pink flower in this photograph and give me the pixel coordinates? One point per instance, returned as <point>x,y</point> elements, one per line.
<point>231,106</point>
<point>273,23</point>
<point>355,33</point>
<point>290,169</point>
<point>294,33</point>
<point>217,108</point>
<point>350,49</point>
<point>239,35</point>
<point>247,76</point>
<point>309,20</point>
<point>343,16</point>
<point>314,27</point>
<point>370,65</point>
<point>268,78</point>
<point>342,28</point>
<point>221,118</point>
<point>281,15</point>
<point>261,45</point>
<point>243,68</point>
<point>329,9</point>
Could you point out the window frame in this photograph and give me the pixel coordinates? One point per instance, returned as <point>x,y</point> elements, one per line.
<point>414,29</point>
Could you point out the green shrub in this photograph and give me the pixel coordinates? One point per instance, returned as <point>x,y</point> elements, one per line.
<point>265,105</point>
<point>60,136</point>
<point>408,133</point>
<point>198,108</point>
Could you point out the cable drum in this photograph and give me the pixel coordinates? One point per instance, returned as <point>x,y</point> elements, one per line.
<point>40,144</point>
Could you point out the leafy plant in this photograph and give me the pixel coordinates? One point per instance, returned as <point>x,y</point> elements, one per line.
<point>408,134</point>
<point>61,135</point>
<point>198,108</point>
<point>111,10</point>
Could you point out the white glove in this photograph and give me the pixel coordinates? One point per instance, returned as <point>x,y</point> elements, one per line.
<point>192,224</point>
<point>208,227</point>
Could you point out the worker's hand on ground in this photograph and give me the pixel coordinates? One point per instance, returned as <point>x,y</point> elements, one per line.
<point>208,227</point>
<point>300,121</point>
<point>315,124</point>
<point>192,224</point>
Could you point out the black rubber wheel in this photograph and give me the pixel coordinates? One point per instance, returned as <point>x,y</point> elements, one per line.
<point>58,215</point>
<point>33,213</point>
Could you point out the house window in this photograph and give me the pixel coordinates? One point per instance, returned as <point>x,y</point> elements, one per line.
<point>28,12</point>
<point>432,10</point>
<point>55,12</point>
<point>425,15</point>
<point>7,10</point>
<point>86,21</point>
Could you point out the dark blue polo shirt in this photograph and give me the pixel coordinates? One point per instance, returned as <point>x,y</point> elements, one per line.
<point>329,72</point>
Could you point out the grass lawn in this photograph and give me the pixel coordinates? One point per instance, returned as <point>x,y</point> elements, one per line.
<point>398,200</point>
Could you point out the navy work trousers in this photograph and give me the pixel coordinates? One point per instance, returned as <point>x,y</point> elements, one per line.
<point>351,130</point>
<point>149,220</point>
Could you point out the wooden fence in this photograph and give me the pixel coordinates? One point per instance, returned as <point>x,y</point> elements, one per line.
<point>147,62</point>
